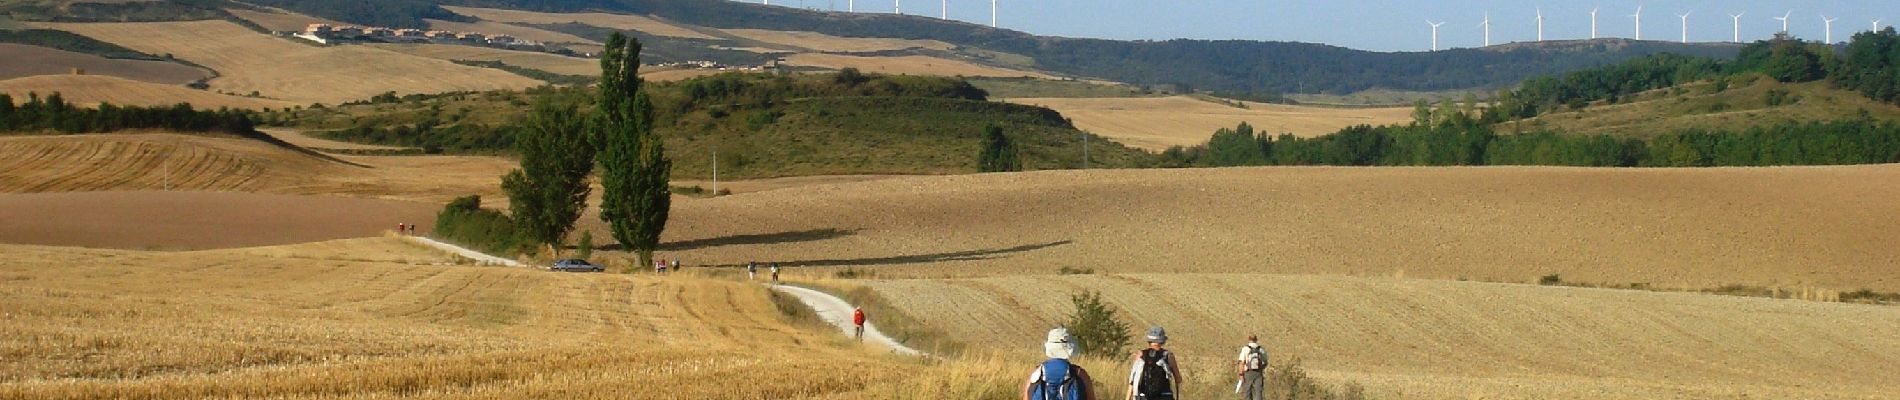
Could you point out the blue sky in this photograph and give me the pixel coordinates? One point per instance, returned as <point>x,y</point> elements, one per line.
<point>1395,25</point>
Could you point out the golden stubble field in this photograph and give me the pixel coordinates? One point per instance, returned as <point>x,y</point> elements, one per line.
<point>908,65</point>
<point>1156,123</point>
<point>1822,227</point>
<point>24,61</point>
<point>643,24</point>
<point>555,63</point>
<point>1426,339</point>
<point>90,90</point>
<point>278,68</point>
<point>373,319</point>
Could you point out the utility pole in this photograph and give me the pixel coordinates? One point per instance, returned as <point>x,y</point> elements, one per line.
<point>715,171</point>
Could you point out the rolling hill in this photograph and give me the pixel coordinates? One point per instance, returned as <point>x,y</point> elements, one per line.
<point>1744,103</point>
<point>25,61</point>
<point>91,90</point>
<point>1157,123</point>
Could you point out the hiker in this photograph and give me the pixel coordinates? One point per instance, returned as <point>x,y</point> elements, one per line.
<point>412,229</point>
<point>399,228</point>
<point>774,272</point>
<point>1252,367</point>
<point>1057,379</point>
<point>857,322</point>
<point>676,265</point>
<point>751,271</point>
<point>659,266</point>
<point>1155,375</point>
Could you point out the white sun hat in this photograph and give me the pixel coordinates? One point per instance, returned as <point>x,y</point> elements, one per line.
<point>1060,344</point>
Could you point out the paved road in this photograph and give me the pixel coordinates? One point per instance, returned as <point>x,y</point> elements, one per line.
<point>838,313</point>
<point>479,258</point>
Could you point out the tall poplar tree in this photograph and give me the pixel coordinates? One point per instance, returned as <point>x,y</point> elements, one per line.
<point>635,196</point>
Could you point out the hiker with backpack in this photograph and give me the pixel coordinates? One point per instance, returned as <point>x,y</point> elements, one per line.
<point>775,273</point>
<point>1057,379</point>
<point>1252,367</point>
<point>751,271</point>
<point>857,323</point>
<point>1155,376</point>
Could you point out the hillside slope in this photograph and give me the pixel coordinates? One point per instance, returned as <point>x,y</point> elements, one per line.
<point>90,90</point>
<point>1794,227</point>
<point>24,61</point>
<point>1156,123</point>
<point>1455,340</point>
<point>278,68</point>
<point>1744,104</point>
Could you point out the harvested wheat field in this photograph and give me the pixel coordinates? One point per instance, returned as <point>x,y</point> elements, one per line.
<point>834,44</point>
<point>90,90</point>
<point>281,69</point>
<point>1457,340</point>
<point>519,32</point>
<point>558,64</point>
<point>907,65</point>
<point>280,20</point>
<point>358,319</point>
<point>1825,227</point>
<point>1156,123</point>
<point>641,23</point>
<point>153,161</point>
<point>25,61</point>
<point>196,220</point>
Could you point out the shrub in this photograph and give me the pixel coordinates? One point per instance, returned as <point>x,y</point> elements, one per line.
<point>586,247</point>
<point>1098,329</point>
<point>464,221</point>
<point>1551,280</point>
<point>1067,270</point>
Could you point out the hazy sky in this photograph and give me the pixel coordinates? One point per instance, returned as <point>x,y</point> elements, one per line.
<point>1395,25</point>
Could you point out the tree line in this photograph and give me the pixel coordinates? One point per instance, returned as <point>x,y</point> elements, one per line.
<point>1870,65</point>
<point>1465,142</point>
<point>54,114</point>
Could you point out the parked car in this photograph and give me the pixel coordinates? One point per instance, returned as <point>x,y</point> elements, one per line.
<point>575,265</point>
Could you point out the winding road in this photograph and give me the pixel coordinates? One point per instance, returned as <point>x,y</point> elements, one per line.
<point>837,312</point>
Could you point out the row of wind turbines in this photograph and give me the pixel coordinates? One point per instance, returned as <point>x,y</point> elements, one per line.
<point>1737,17</point>
<point>897,7</point>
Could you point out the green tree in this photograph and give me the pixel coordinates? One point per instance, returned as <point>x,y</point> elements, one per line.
<point>999,153</point>
<point>1098,329</point>
<point>549,191</point>
<point>586,247</point>
<point>635,196</point>
<point>1235,147</point>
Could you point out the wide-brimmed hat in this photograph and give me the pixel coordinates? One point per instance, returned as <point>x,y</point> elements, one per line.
<point>1157,335</point>
<point>1060,344</point>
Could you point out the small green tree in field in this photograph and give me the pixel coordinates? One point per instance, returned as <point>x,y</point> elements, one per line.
<point>549,191</point>
<point>1098,329</point>
<point>586,248</point>
<point>999,153</point>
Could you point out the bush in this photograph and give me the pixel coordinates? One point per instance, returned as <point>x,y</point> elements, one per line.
<point>1067,270</point>
<point>465,222</point>
<point>1551,280</point>
<point>1098,329</point>
<point>586,247</point>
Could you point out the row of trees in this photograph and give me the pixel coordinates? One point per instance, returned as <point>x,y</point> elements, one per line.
<point>558,145</point>
<point>1858,141</point>
<point>1871,65</point>
<point>54,114</point>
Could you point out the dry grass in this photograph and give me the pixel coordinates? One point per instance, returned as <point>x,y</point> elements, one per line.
<point>280,20</point>
<point>318,322</point>
<point>542,61</point>
<point>646,24</point>
<point>282,69</point>
<point>907,65</point>
<point>1822,227</point>
<point>519,32</point>
<point>827,43</point>
<point>1160,122</point>
<point>90,90</point>
<point>1455,340</point>
<point>24,61</point>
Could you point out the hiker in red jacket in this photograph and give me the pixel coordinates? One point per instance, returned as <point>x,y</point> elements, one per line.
<point>857,321</point>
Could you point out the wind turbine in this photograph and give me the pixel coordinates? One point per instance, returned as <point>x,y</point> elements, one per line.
<point>992,13</point>
<point>1487,29</point>
<point>1593,22</point>
<point>1685,25</point>
<point>1540,24</point>
<point>1435,26</point>
<point>946,10</point>
<point>898,7</point>
<point>1784,21</point>
<point>1639,22</point>
<point>851,6</point>
<point>1738,26</point>
<point>1829,22</point>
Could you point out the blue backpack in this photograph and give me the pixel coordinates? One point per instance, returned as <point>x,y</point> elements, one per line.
<point>1058,382</point>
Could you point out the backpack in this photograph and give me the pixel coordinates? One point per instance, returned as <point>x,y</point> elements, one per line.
<point>1154,374</point>
<point>1057,382</point>
<point>1256,358</point>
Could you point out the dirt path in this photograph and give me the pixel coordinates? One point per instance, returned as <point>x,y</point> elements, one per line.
<point>837,312</point>
<point>479,257</point>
